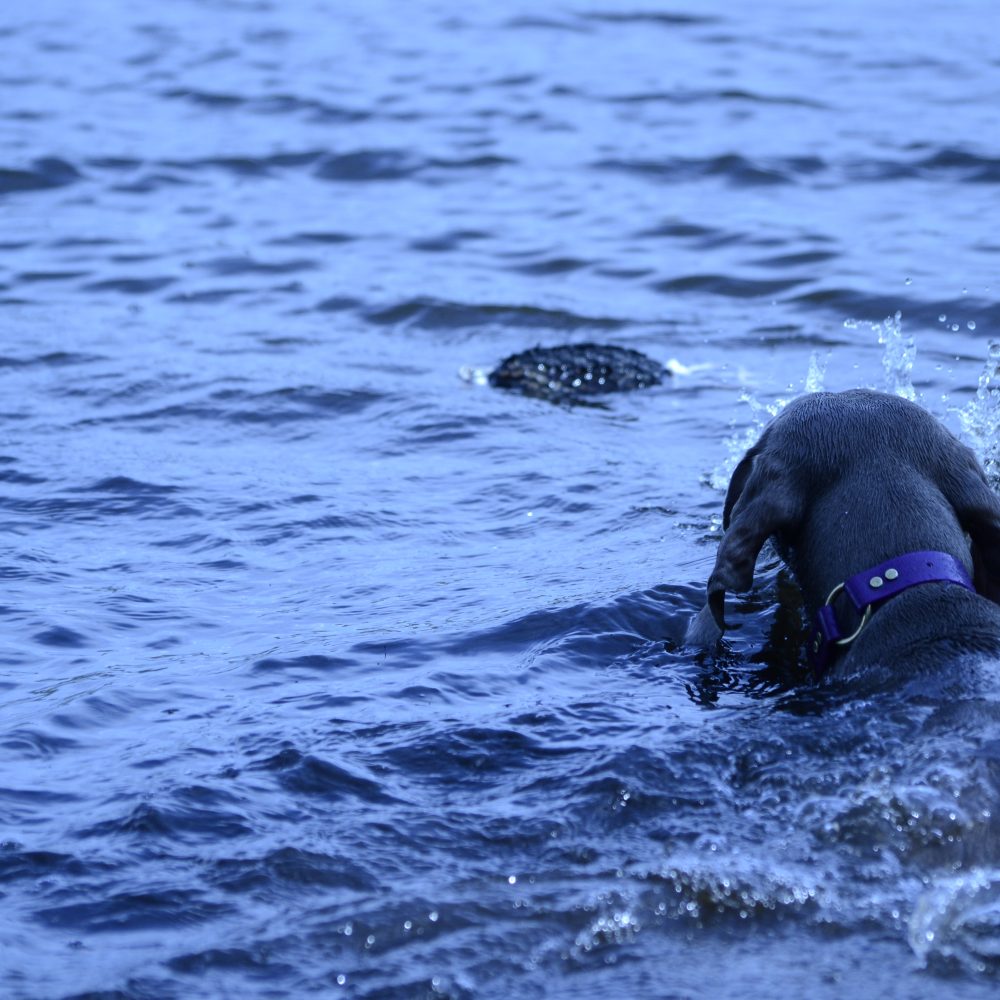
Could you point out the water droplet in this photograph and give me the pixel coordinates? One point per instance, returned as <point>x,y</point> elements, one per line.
<point>954,327</point>
<point>433,916</point>
<point>909,281</point>
<point>942,318</point>
<point>341,979</point>
<point>512,879</point>
<point>971,324</point>
<point>407,925</point>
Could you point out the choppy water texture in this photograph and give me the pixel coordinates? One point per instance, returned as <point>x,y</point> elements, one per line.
<point>328,672</point>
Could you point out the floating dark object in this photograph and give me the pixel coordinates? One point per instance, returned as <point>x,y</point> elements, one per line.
<point>572,372</point>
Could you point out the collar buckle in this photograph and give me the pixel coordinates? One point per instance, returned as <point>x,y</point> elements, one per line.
<point>872,588</point>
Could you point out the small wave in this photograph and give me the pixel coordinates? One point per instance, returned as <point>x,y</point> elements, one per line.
<point>20,478</point>
<point>149,183</point>
<point>797,259</point>
<point>983,168</point>
<point>33,744</point>
<point>296,403</point>
<point>132,911</point>
<point>131,286</point>
<point>123,485</point>
<point>237,406</point>
<point>227,266</point>
<point>730,287</point>
<point>54,359</point>
<point>369,165</point>
<point>245,166</point>
<point>61,637</point>
<point>138,176</point>
<point>307,664</point>
<point>33,277</point>
<point>338,303</point>
<point>473,754</point>
<point>296,868</point>
<point>83,242</point>
<point>36,796</point>
<point>855,304</point>
<point>198,963</point>
<point>331,238</point>
<point>210,295</point>
<point>585,633</point>
<point>553,265</point>
<point>109,498</point>
<point>20,864</point>
<point>177,821</point>
<point>446,242</point>
<point>538,23</point>
<point>944,164</point>
<point>311,775</point>
<point>438,314</point>
<point>733,168</point>
<point>394,164</point>
<point>487,161</point>
<point>664,19</point>
<point>270,104</point>
<point>713,97</point>
<point>100,711</point>
<point>43,175</point>
<point>681,230</point>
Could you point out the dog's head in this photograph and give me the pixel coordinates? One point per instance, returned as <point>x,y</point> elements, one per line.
<point>841,481</point>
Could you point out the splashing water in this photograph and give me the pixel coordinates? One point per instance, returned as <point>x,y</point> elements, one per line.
<point>743,440</point>
<point>980,419</point>
<point>957,919</point>
<point>761,413</point>
<point>897,355</point>
<point>816,375</point>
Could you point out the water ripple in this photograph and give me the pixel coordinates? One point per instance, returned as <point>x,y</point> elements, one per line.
<point>44,174</point>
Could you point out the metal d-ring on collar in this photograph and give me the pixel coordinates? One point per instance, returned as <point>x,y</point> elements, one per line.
<point>870,589</point>
<point>848,639</point>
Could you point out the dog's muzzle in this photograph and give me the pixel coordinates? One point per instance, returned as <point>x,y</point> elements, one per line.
<point>870,589</point>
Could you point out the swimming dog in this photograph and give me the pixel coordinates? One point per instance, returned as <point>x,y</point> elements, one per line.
<point>887,523</point>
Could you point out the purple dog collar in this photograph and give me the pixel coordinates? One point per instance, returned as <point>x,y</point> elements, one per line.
<point>870,589</point>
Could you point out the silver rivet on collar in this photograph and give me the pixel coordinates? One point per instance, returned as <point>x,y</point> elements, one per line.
<point>875,582</point>
<point>891,574</point>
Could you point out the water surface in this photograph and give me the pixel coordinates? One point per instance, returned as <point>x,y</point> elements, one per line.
<point>327,671</point>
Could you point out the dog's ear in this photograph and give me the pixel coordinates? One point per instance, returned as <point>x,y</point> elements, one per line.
<point>762,500</point>
<point>978,510</point>
<point>737,482</point>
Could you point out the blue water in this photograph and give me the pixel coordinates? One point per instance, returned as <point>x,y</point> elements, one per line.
<point>327,670</point>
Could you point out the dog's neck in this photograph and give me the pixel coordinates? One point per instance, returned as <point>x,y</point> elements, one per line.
<point>870,589</point>
<point>844,534</point>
